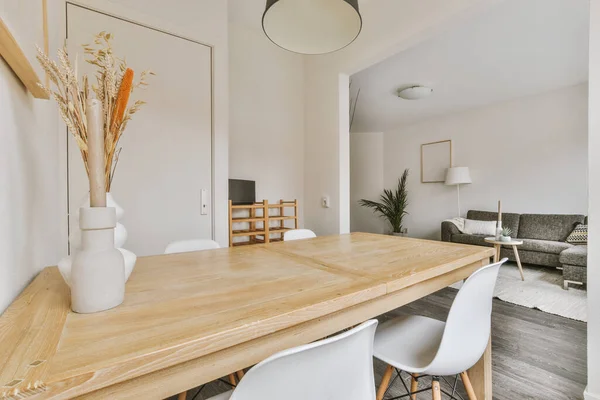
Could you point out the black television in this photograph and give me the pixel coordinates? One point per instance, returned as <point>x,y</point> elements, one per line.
<point>242,192</point>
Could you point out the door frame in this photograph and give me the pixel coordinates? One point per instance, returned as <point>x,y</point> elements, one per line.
<point>63,146</point>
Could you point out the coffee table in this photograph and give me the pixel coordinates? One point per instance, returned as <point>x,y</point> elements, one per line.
<point>512,243</point>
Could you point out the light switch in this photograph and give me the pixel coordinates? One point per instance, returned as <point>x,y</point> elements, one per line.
<point>325,202</point>
<point>204,205</point>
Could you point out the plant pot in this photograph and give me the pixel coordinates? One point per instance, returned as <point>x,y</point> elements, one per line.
<point>398,234</point>
<point>98,269</point>
<point>505,238</point>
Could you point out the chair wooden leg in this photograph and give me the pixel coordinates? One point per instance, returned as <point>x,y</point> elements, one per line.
<point>240,374</point>
<point>468,387</point>
<point>414,385</point>
<point>182,396</point>
<point>232,379</point>
<point>435,390</point>
<point>385,382</point>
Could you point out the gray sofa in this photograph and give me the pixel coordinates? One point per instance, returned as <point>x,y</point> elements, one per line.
<point>543,237</point>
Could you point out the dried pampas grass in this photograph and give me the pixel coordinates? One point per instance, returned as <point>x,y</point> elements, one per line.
<point>113,86</point>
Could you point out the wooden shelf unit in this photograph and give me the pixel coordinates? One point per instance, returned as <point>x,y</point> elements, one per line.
<point>257,222</point>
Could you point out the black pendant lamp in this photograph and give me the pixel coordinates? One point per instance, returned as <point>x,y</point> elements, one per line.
<point>312,26</point>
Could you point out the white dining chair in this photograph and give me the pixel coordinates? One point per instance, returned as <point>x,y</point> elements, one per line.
<point>339,367</point>
<point>425,346</point>
<point>296,234</point>
<point>184,246</point>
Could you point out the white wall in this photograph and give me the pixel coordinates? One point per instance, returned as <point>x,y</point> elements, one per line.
<point>366,180</point>
<point>530,152</point>
<point>593,389</point>
<point>266,131</point>
<point>390,26</point>
<point>204,21</point>
<point>29,200</point>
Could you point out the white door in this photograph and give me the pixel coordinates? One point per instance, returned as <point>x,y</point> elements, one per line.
<point>165,162</point>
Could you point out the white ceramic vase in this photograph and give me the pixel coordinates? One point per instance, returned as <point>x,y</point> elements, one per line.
<point>120,231</point>
<point>120,236</point>
<point>98,268</point>
<point>498,231</point>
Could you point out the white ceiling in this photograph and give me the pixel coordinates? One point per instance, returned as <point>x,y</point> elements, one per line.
<point>515,48</point>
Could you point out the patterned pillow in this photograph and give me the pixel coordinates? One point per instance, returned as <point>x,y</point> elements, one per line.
<point>579,235</point>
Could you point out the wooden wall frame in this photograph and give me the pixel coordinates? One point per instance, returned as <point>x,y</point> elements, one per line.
<point>439,169</point>
<point>16,59</point>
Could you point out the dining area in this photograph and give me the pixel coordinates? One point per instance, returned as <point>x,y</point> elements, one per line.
<point>286,315</point>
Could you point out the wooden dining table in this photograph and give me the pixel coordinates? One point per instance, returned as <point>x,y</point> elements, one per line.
<point>190,318</point>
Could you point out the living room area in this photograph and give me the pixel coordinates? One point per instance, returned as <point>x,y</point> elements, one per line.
<point>484,126</point>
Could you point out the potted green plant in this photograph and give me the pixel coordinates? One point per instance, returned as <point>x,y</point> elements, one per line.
<point>506,232</point>
<point>392,205</point>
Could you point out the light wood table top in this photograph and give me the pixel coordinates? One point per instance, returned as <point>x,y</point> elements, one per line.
<point>183,307</point>
<point>397,262</point>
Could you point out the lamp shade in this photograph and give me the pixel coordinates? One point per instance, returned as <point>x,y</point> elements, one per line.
<point>458,176</point>
<point>312,26</point>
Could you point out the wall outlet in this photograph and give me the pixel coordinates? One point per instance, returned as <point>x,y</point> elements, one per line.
<point>325,202</point>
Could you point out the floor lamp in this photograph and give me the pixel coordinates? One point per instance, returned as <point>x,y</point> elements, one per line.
<point>458,176</point>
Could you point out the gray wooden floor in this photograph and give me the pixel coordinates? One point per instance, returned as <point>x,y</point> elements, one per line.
<point>535,355</point>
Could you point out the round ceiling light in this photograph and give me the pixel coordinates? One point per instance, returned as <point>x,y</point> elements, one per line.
<point>312,26</point>
<point>415,92</point>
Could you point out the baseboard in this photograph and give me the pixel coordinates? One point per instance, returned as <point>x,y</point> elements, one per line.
<point>589,396</point>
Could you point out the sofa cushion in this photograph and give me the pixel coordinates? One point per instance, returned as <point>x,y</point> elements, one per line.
<point>478,227</point>
<point>576,255</point>
<point>554,227</point>
<point>470,239</point>
<point>544,246</point>
<point>508,219</point>
<point>531,257</point>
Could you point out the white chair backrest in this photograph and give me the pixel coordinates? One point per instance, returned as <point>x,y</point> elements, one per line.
<point>469,323</point>
<point>340,367</point>
<point>296,234</point>
<point>183,246</point>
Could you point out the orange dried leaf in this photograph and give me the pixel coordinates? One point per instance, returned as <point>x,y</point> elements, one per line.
<point>122,99</point>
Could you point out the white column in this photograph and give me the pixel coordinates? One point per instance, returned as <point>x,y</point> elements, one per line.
<point>593,389</point>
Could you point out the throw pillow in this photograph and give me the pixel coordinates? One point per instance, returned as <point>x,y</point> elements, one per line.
<point>579,235</point>
<point>475,227</point>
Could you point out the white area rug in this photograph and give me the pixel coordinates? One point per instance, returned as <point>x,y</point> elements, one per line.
<point>542,289</point>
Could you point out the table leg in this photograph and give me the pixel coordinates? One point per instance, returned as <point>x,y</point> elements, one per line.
<point>519,262</point>
<point>497,254</point>
<point>481,375</point>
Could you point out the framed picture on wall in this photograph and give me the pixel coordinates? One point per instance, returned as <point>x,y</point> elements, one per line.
<point>436,158</point>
